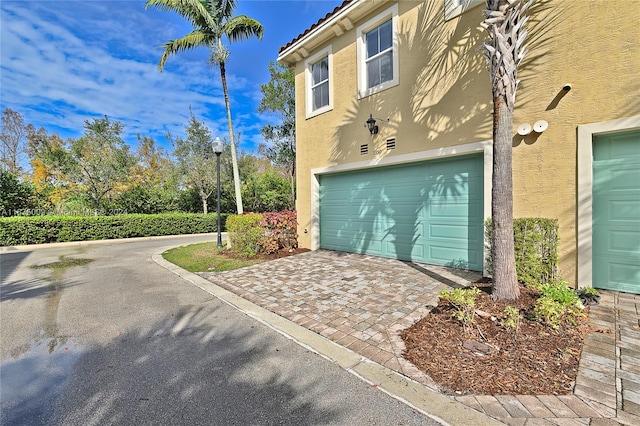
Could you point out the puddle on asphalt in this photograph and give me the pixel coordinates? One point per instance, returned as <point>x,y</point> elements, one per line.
<point>37,372</point>
<point>53,295</point>
<point>34,378</point>
<point>63,263</point>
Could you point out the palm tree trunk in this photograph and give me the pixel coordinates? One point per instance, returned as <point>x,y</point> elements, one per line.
<point>505,283</point>
<point>234,159</point>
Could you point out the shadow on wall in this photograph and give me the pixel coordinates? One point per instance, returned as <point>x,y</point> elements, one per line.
<point>433,214</point>
<point>449,103</point>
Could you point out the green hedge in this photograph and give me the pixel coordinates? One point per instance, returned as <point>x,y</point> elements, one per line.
<point>51,229</point>
<point>536,249</point>
<point>245,233</point>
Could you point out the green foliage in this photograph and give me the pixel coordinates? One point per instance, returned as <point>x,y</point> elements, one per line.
<point>94,164</point>
<point>511,318</point>
<point>50,229</point>
<point>463,302</point>
<point>14,195</point>
<point>196,159</point>
<point>558,303</point>
<point>278,96</point>
<point>145,200</point>
<point>536,249</point>
<point>267,192</point>
<point>279,231</point>
<point>245,233</point>
<point>590,291</point>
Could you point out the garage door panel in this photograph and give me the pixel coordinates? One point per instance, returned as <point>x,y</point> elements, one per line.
<point>415,250</point>
<point>620,242</point>
<point>621,210</point>
<point>451,232</point>
<point>397,205</point>
<point>448,255</point>
<point>620,276</point>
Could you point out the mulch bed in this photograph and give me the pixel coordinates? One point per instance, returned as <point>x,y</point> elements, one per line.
<point>535,359</point>
<point>270,256</point>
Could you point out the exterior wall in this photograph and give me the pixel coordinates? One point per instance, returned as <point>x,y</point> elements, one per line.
<point>443,100</point>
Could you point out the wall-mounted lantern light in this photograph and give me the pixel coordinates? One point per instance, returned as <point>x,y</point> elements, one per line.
<point>371,125</point>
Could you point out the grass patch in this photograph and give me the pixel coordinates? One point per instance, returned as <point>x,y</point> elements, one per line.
<point>205,257</point>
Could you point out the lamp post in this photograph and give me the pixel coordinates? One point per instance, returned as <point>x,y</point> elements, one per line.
<point>218,146</point>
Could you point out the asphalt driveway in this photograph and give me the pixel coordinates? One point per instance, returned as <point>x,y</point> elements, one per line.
<point>100,334</point>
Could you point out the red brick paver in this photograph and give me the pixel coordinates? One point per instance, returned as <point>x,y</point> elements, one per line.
<point>364,302</point>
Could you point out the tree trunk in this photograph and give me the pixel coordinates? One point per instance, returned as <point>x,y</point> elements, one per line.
<point>505,283</point>
<point>234,159</point>
<point>205,205</point>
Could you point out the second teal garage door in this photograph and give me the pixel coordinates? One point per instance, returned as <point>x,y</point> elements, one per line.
<point>429,212</point>
<point>616,212</point>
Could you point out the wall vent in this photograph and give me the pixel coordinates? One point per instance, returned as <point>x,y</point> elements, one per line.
<point>364,149</point>
<point>391,144</point>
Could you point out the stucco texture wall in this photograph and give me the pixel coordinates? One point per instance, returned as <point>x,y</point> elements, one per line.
<point>444,99</point>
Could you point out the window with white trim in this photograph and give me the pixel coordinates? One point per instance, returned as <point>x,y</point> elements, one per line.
<point>377,50</point>
<point>453,8</point>
<point>318,83</point>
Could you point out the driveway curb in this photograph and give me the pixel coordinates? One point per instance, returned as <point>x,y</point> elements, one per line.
<point>432,404</point>
<point>7,249</point>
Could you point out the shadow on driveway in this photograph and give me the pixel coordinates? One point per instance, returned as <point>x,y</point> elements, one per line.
<point>180,371</point>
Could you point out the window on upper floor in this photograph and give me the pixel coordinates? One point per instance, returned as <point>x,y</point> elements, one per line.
<point>453,8</point>
<point>318,83</point>
<point>377,50</point>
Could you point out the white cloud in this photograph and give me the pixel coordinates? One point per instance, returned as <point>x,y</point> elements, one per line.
<point>62,66</point>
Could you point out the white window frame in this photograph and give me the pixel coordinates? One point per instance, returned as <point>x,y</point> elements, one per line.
<point>361,48</point>
<point>453,8</point>
<point>326,52</point>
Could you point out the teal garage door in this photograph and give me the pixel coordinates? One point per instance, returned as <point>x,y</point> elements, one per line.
<point>429,212</point>
<point>616,212</point>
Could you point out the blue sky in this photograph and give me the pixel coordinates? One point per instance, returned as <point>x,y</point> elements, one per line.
<point>63,62</point>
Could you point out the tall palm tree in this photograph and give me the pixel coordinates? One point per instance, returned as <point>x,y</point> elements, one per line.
<point>213,21</point>
<point>505,22</point>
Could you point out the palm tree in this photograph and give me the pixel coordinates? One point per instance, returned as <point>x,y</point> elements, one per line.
<point>213,21</point>
<point>504,51</point>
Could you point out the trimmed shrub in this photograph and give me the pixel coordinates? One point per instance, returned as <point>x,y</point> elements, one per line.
<point>245,233</point>
<point>279,231</point>
<point>51,229</point>
<point>536,249</point>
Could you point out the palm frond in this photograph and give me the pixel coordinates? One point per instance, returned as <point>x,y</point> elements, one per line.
<point>194,11</point>
<point>242,27</point>
<point>193,40</point>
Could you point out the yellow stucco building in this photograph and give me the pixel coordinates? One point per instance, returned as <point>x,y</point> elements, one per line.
<point>418,186</point>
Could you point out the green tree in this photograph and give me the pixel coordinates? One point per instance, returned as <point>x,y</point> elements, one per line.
<point>278,96</point>
<point>213,21</point>
<point>14,194</point>
<point>196,159</point>
<point>50,182</point>
<point>97,162</point>
<point>153,187</point>
<point>505,22</point>
<point>12,141</point>
<point>267,192</point>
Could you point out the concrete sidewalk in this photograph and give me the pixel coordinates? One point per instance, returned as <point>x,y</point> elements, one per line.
<point>361,303</point>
